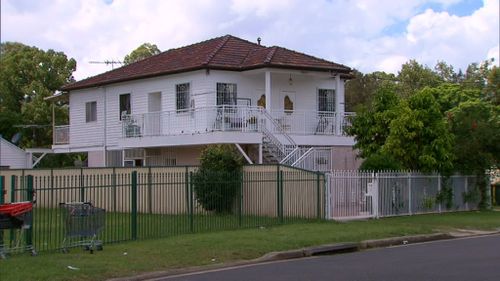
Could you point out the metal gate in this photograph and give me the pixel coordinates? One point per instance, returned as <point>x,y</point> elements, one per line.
<point>351,195</point>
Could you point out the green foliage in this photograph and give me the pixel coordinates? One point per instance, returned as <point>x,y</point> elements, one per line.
<point>472,196</point>
<point>380,162</point>
<point>27,76</point>
<point>218,180</point>
<point>492,89</point>
<point>413,77</point>
<point>360,90</point>
<point>419,137</point>
<point>428,202</point>
<point>143,51</point>
<point>476,127</point>
<point>371,125</point>
<point>445,195</point>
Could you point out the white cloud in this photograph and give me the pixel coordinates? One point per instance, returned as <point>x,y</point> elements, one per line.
<point>349,32</point>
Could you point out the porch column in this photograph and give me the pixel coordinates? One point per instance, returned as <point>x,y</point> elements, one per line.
<point>268,91</point>
<point>339,104</point>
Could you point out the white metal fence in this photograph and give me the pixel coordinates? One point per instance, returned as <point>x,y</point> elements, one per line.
<point>357,194</point>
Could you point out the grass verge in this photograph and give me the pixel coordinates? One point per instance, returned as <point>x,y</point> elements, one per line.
<point>225,246</point>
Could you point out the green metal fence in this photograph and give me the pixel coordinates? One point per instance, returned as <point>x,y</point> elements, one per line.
<point>153,202</point>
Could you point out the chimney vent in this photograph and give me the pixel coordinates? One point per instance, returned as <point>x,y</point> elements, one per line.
<point>258,40</point>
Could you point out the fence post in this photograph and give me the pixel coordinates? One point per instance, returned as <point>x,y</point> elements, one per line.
<point>190,202</point>
<point>318,196</point>
<point>29,195</point>
<point>240,200</point>
<point>465,191</point>
<point>438,192</point>
<point>409,194</point>
<point>82,189</point>
<point>133,205</point>
<point>113,186</point>
<point>280,195</point>
<point>13,183</point>
<point>2,189</point>
<point>150,191</point>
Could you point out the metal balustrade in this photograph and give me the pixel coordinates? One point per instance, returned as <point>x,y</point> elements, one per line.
<point>234,118</point>
<point>61,134</point>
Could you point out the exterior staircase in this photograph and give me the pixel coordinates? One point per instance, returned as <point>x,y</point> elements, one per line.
<point>279,147</point>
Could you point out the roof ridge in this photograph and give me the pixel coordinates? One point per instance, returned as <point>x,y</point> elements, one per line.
<point>311,56</point>
<point>212,55</point>
<point>270,55</point>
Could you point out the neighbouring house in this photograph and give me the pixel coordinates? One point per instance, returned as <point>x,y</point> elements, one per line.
<point>274,104</point>
<point>13,157</point>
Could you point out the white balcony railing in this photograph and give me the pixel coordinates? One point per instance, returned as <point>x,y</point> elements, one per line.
<point>61,134</point>
<point>233,118</point>
<point>313,122</point>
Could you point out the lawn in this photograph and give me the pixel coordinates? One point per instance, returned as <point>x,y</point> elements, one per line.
<point>129,258</point>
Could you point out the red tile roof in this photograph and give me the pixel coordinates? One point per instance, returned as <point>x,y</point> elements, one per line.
<point>223,53</point>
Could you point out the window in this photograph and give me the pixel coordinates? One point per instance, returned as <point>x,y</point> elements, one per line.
<point>226,94</point>
<point>124,105</point>
<point>326,100</point>
<point>287,104</point>
<point>91,111</point>
<point>182,96</point>
<point>262,101</point>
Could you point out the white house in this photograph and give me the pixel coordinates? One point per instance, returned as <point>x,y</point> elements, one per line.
<point>274,104</point>
<point>13,157</point>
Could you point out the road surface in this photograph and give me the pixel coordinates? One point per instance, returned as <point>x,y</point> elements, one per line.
<point>476,258</point>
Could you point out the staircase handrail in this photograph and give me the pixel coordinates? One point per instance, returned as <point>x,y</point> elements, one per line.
<point>277,126</point>
<point>303,156</point>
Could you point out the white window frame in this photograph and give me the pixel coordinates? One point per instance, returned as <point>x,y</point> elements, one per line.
<point>233,96</point>
<point>330,105</point>
<point>90,111</point>
<point>127,110</point>
<point>182,105</point>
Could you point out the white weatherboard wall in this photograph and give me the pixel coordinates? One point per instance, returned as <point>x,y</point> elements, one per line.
<point>104,134</point>
<point>12,156</point>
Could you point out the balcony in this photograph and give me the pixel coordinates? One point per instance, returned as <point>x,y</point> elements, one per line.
<point>243,119</point>
<point>61,135</point>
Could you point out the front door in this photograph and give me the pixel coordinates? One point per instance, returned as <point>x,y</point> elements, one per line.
<point>152,122</point>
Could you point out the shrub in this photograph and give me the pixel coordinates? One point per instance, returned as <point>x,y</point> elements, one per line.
<point>380,162</point>
<point>217,182</point>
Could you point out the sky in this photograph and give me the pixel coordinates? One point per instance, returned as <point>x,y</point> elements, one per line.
<point>369,35</point>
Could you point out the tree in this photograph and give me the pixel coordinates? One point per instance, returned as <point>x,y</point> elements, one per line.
<point>370,127</point>
<point>413,77</point>
<point>143,51</point>
<point>476,75</point>
<point>360,90</point>
<point>446,73</point>
<point>218,180</point>
<point>492,89</point>
<point>476,126</point>
<point>419,137</point>
<point>27,76</point>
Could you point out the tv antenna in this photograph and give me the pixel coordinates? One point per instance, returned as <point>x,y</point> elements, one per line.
<point>108,62</point>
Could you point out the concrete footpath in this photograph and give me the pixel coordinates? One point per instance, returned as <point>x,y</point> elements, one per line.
<point>328,249</point>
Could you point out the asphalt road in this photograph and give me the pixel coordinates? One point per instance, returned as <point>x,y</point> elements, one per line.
<point>475,258</point>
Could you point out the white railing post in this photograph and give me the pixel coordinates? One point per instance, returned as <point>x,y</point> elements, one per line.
<point>465,192</point>
<point>409,194</point>
<point>439,191</point>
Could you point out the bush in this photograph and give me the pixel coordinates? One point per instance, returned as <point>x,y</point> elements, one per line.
<point>218,180</point>
<point>380,162</point>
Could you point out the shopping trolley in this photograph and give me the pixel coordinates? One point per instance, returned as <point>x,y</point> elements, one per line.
<point>82,222</point>
<point>17,217</point>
